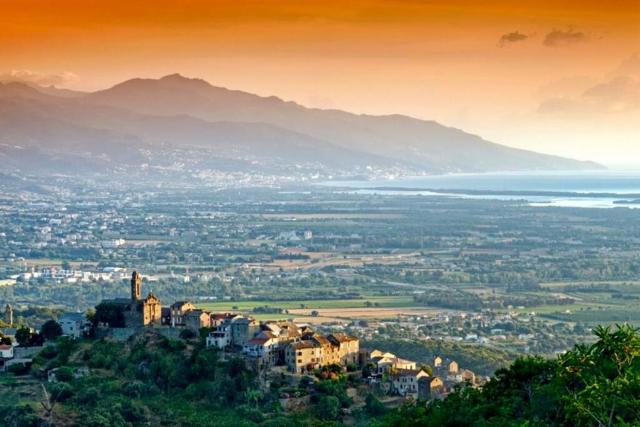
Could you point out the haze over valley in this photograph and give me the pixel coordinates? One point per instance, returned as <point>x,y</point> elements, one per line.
<point>186,127</point>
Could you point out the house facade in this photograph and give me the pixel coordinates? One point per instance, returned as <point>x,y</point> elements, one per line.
<point>196,319</point>
<point>73,324</point>
<point>405,381</point>
<point>178,311</point>
<point>303,356</point>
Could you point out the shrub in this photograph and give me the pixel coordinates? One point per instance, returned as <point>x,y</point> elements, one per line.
<point>61,392</point>
<point>64,374</point>
<point>51,330</point>
<point>187,334</point>
<point>327,408</point>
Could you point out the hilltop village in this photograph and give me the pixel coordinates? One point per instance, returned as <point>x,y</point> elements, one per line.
<point>269,348</point>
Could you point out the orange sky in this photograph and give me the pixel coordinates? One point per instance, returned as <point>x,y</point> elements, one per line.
<point>554,76</point>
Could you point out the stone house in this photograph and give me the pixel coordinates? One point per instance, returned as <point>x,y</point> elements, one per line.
<point>6,351</point>
<point>347,349</point>
<point>437,362</point>
<point>73,324</point>
<point>220,337</point>
<point>263,346</point>
<point>303,356</point>
<point>386,362</point>
<point>405,381</point>
<point>178,311</point>
<point>242,330</point>
<point>196,319</point>
<point>429,387</point>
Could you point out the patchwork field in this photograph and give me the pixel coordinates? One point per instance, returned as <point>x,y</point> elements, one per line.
<point>327,310</point>
<point>366,312</point>
<point>602,302</point>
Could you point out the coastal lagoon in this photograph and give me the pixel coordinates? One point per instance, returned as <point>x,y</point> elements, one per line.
<point>589,189</point>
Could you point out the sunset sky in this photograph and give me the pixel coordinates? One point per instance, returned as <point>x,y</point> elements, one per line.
<point>560,77</point>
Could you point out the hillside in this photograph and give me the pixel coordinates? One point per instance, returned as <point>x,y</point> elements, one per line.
<point>191,126</point>
<point>151,380</point>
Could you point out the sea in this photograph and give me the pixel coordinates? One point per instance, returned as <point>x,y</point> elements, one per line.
<point>583,189</point>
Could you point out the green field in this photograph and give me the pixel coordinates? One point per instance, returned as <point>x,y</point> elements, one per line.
<point>606,302</point>
<point>247,306</point>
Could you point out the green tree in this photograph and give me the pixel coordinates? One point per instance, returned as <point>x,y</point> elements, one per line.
<point>373,406</point>
<point>327,408</point>
<point>51,330</point>
<point>23,336</point>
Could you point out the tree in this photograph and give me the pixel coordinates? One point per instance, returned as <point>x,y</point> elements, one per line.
<point>373,406</point>
<point>328,407</point>
<point>51,330</point>
<point>591,385</point>
<point>187,334</point>
<point>601,380</point>
<point>110,314</point>
<point>23,336</point>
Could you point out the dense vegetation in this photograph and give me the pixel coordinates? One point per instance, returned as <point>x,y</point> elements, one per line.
<point>152,380</point>
<point>596,385</point>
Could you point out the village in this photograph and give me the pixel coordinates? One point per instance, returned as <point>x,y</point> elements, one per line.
<point>270,348</point>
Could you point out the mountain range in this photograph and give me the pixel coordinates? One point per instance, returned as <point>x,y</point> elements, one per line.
<point>187,126</point>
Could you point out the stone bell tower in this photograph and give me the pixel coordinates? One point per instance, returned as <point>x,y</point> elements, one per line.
<point>136,283</point>
<point>8,314</point>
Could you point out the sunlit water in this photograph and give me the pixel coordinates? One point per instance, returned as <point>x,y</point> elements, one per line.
<point>593,189</point>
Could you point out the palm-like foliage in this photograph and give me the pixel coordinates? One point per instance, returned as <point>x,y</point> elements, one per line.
<point>602,381</point>
<point>594,385</point>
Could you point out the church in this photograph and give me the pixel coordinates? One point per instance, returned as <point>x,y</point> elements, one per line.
<point>135,311</point>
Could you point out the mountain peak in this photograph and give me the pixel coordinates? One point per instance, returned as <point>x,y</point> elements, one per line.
<point>18,88</point>
<point>177,78</point>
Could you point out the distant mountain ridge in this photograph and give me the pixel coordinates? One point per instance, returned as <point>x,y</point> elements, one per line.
<point>190,125</point>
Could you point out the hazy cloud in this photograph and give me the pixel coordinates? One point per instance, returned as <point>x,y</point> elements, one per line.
<point>560,37</point>
<point>630,66</point>
<point>513,37</point>
<point>617,95</point>
<point>41,79</point>
<point>618,92</point>
<point>569,86</point>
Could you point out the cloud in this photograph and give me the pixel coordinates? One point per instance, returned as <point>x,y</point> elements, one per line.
<point>630,66</point>
<point>559,37</point>
<point>617,95</point>
<point>513,37</point>
<point>40,79</point>
<point>569,86</point>
<point>618,92</point>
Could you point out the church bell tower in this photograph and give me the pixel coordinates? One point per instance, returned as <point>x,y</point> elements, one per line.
<point>136,283</point>
<point>8,314</point>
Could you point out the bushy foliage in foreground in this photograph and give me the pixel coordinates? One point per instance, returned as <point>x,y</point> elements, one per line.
<point>595,385</point>
<point>152,380</point>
